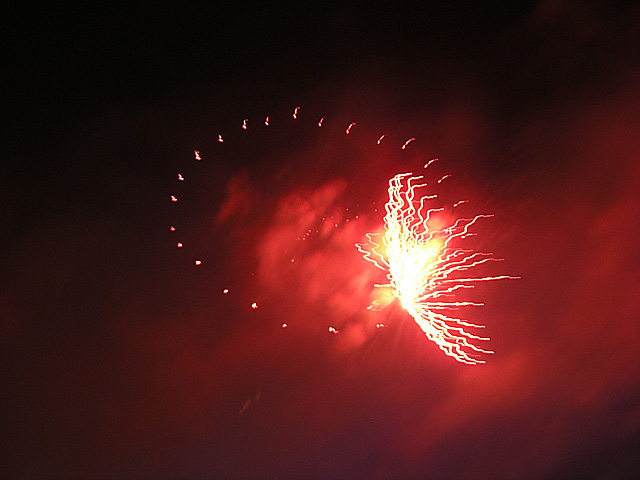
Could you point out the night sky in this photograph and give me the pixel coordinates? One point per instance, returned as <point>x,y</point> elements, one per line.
<point>120,358</point>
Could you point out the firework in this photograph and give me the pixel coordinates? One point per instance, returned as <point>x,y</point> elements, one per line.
<point>423,265</point>
<point>422,259</point>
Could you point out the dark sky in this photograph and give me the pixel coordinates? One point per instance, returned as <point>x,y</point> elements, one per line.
<point>121,358</point>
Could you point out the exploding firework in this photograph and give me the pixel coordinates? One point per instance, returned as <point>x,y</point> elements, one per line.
<point>423,265</point>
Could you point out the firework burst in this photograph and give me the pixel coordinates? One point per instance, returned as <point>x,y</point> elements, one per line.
<point>425,268</point>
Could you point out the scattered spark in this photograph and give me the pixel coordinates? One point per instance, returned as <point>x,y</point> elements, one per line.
<point>248,403</point>
<point>173,198</point>
<point>430,162</point>
<point>179,245</point>
<point>380,139</point>
<point>220,139</point>
<point>333,330</point>
<point>459,203</point>
<point>421,264</point>
<point>380,325</point>
<point>225,291</point>
<point>444,178</point>
<point>349,127</point>
<point>266,121</point>
<point>407,143</point>
<point>196,154</point>
<point>172,228</point>
<point>254,305</point>
<point>284,325</point>
<point>295,113</point>
<point>180,178</point>
<point>320,122</point>
<point>198,262</point>
<point>244,123</point>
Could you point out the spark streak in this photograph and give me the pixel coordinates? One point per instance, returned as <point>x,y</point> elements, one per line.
<point>422,264</point>
<point>407,143</point>
<point>348,130</point>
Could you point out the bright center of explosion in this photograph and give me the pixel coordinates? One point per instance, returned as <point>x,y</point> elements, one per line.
<point>423,266</point>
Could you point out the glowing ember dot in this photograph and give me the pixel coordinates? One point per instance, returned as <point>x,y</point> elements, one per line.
<point>320,122</point>
<point>295,113</point>
<point>254,305</point>
<point>423,266</point>
<point>172,228</point>
<point>220,139</point>
<point>380,139</point>
<point>348,130</point>
<point>179,245</point>
<point>266,121</point>
<point>198,262</point>
<point>407,143</point>
<point>180,178</point>
<point>244,123</point>
<point>284,325</point>
<point>173,198</point>
<point>333,330</point>
<point>380,325</point>
<point>196,154</point>
<point>225,291</point>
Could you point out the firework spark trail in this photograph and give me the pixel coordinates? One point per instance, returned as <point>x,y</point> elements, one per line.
<point>422,262</point>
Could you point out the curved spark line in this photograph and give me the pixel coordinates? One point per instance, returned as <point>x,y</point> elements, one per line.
<point>423,265</point>
<point>348,130</point>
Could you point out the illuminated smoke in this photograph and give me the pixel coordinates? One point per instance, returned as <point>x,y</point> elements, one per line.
<point>423,265</point>
<point>419,253</point>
